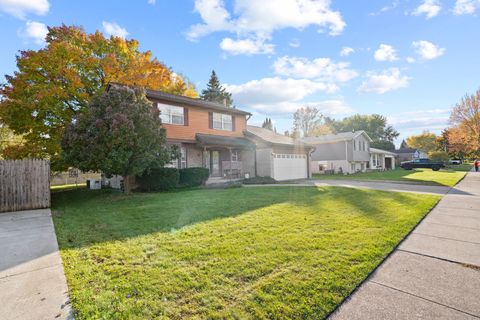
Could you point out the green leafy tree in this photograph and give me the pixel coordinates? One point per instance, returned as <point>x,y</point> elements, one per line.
<point>375,125</point>
<point>9,142</point>
<point>215,92</point>
<point>53,85</point>
<point>438,156</point>
<point>426,141</point>
<point>119,134</point>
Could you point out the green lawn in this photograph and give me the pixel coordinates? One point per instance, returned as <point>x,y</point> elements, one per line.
<point>445,177</point>
<point>240,253</point>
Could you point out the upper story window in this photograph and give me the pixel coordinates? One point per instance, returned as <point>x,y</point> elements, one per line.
<point>222,121</point>
<point>171,114</point>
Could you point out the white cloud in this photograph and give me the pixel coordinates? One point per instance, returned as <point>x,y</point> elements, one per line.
<point>427,50</point>
<point>294,43</point>
<point>34,31</point>
<point>246,46</point>
<point>389,7</point>
<point>346,51</point>
<point>332,107</point>
<point>113,29</point>
<point>431,119</point>
<point>429,8</point>
<point>466,7</point>
<point>411,60</point>
<point>322,69</point>
<point>252,19</point>
<point>20,8</point>
<point>387,80</point>
<point>152,2</point>
<point>385,52</point>
<point>275,90</point>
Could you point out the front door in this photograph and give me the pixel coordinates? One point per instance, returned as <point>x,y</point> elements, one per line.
<point>388,163</point>
<point>215,164</point>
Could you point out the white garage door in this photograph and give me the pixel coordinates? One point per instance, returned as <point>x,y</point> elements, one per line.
<point>289,166</point>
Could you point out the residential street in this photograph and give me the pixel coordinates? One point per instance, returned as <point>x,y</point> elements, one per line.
<point>32,282</point>
<point>435,272</point>
<point>373,185</point>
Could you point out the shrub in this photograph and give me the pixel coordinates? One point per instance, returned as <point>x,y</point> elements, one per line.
<point>438,156</point>
<point>259,180</point>
<point>193,177</point>
<point>159,179</point>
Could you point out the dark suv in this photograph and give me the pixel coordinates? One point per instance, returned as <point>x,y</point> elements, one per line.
<point>422,163</point>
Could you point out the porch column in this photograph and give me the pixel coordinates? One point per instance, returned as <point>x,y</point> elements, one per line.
<point>230,152</point>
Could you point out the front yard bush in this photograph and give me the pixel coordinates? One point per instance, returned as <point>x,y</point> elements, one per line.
<point>259,180</point>
<point>193,177</point>
<point>159,179</point>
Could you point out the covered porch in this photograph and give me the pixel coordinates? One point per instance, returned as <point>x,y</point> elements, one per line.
<point>382,159</point>
<point>227,158</point>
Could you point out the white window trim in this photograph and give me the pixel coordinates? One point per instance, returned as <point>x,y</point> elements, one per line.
<point>169,115</point>
<point>223,122</point>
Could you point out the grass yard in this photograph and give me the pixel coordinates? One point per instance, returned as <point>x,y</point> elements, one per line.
<point>445,177</point>
<point>242,253</point>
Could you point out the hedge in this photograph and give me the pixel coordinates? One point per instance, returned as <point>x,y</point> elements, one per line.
<point>159,179</point>
<point>193,177</point>
<point>259,180</point>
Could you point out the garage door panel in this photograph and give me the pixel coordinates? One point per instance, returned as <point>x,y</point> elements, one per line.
<point>290,166</point>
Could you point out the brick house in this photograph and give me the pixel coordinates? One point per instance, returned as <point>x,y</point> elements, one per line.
<point>216,137</point>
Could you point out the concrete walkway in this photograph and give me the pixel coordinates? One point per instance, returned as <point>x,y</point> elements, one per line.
<point>373,185</point>
<point>32,282</point>
<point>435,272</point>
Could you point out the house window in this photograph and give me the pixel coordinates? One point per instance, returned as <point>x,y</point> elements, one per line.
<point>181,162</point>
<point>354,145</point>
<point>235,156</point>
<point>222,121</point>
<point>183,157</point>
<point>171,114</point>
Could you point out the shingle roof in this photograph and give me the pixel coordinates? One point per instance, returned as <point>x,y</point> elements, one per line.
<point>406,150</point>
<point>216,140</point>
<point>160,95</point>
<point>274,138</point>
<point>375,150</point>
<point>336,137</point>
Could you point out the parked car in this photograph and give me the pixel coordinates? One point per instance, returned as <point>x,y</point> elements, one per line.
<point>455,161</point>
<point>422,163</point>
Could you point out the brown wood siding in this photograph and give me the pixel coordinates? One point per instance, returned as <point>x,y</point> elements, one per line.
<point>199,121</point>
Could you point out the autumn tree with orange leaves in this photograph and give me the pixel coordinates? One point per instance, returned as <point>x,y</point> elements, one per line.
<point>53,85</point>
<point>464,135</point>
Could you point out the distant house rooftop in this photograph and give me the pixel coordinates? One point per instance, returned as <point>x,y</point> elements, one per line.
<point>405,150</point>
<point>271,137</point>
<point>341,136</point>
<point>160,95</point>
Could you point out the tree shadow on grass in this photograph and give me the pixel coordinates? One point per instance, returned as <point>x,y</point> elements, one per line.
<point>86,217</point>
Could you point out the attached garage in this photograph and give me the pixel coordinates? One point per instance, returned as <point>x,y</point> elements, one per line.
<point>279,156</point>
<point>289,166</point>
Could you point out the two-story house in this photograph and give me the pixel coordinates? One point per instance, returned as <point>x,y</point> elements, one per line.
<point>216,137</point>
<point>344,152</point>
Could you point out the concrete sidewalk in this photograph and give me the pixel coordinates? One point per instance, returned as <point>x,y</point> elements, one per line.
<point>32,282</point>
<point>435,272</point>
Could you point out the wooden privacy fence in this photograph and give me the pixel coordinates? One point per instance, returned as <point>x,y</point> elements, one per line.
<point>24,184</point>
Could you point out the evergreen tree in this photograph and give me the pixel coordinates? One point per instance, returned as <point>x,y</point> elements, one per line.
<point>215,92</point>
<point>404,144</point>
<point>267,124</point>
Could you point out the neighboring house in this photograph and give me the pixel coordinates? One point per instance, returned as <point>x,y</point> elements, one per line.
<point>279,156</point>
<point>407,154</point>
<point>216,137</point>
<point>382,159</point>
<point>344,152</point>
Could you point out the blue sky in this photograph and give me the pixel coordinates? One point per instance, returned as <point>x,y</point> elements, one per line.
<point>409,60</point>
